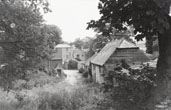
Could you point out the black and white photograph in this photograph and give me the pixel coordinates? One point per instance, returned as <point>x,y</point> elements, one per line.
<point>85,54</point>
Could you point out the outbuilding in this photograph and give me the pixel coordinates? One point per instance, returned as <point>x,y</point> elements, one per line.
<point>112,53</point>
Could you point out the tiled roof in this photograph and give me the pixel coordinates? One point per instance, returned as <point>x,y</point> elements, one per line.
<point>110,48</point>
<point>106,52</point>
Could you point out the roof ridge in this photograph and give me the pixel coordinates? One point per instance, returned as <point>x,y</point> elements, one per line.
<point>122,39</point>
<point>126,41</point>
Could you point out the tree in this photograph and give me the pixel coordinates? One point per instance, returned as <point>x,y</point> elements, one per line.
<point>87,42</point>
<point>149,18</point>
<point>78,43</point>
<point>82,43</point>
<point>99,42</point>
<point>52,35</point>
<point>21,38</point>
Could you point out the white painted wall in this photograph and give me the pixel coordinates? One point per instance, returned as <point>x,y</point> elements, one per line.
<point>66,54</point>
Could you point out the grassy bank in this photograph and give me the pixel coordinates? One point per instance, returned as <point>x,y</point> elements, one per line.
<point>83,98</point>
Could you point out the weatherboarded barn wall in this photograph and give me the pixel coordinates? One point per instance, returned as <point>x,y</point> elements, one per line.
<point>97,73</point>
<point>133,56</point>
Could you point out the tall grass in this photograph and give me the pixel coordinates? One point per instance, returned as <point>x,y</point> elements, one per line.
<point>80,99</point>
<point>84,98</point>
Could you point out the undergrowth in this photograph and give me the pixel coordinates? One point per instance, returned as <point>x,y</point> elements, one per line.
<point>130,88</point>
<point>84,98</point>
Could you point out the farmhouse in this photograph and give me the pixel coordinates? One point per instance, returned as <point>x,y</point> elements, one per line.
<point>64,53</point>
<point>112,54</point>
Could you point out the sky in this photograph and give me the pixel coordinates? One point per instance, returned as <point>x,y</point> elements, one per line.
<point>71,16</point>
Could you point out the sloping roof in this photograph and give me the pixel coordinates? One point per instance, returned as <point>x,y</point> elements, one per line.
<point>62,46</point>
<point>89,54</point>
<point>126,44</point>
<point>106,52</point>
<point>87,62</point>
<point>110,48</point>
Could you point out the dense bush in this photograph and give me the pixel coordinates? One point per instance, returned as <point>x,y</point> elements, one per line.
<point>88,98</point>
<point>85,74</point>
<point>81,70</point>
<point>131,88</point>
<point>35,80</point>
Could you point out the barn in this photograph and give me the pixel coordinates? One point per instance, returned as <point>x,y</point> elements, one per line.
<point>112,54</point>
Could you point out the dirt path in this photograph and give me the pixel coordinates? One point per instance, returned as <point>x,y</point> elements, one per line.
<point>73,77</point>
<point>72,81</point>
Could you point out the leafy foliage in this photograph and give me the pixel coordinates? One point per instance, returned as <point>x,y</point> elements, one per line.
<point>146,16</point>
<point>22,38</point>
<point>151,44</point>
<point>81,70</point>
<point>52,35</point>
<point>132,86</point>
<point>87,97</point>
<point>82,43</point>
<point>101,40</point>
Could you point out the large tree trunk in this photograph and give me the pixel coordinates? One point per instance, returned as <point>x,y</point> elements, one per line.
<point>163,81</point>
<point>164,60</point>
<point>149,45</point>
<point>163,88</point>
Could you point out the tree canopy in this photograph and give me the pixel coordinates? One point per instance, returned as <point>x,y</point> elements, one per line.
<point>24,39</point>
<point>82,43</point>
<point>148,17</point>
